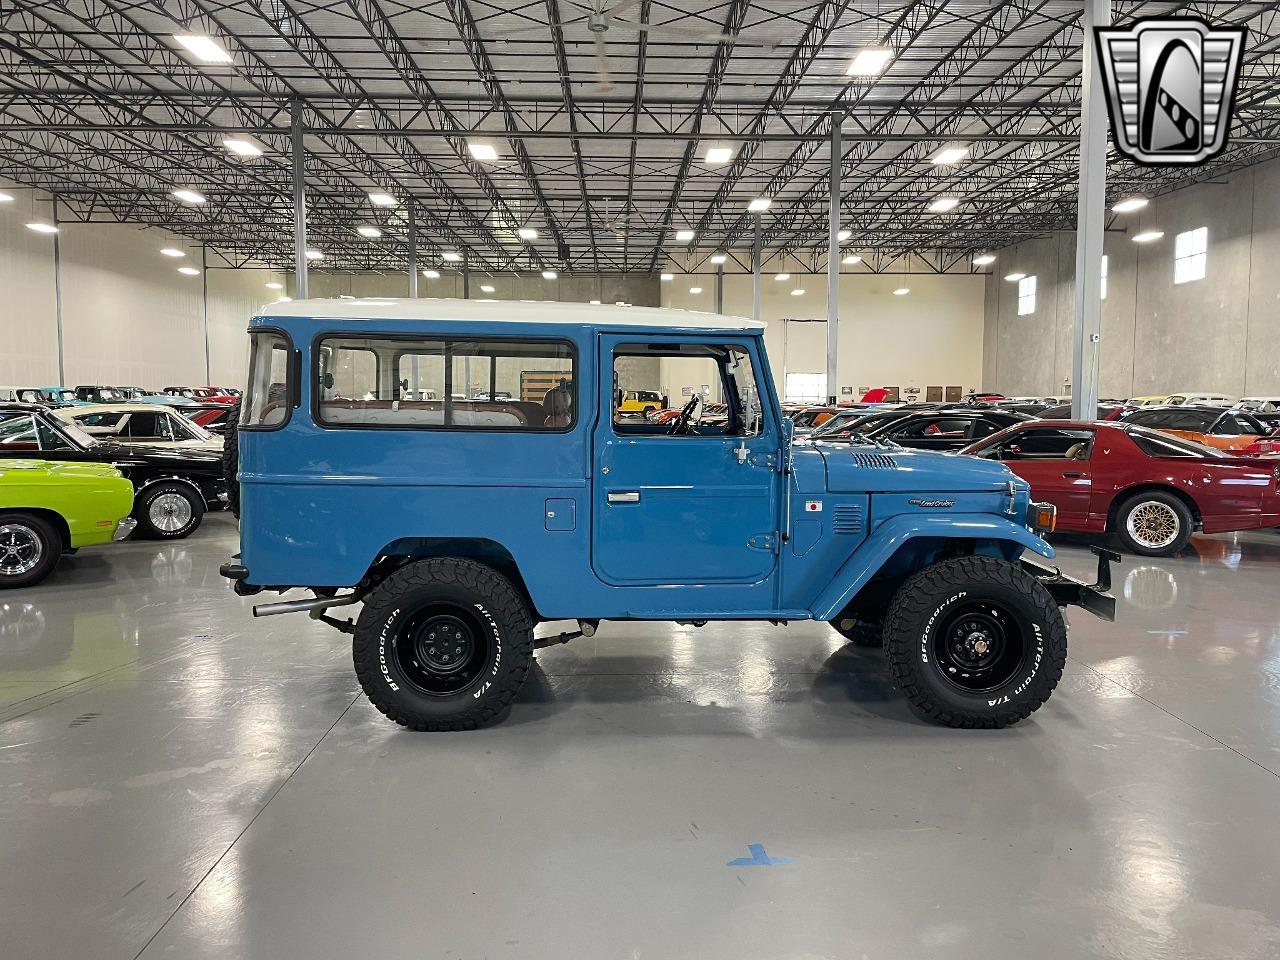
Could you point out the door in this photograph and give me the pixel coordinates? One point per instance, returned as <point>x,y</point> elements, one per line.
<point>694,500</point>
<point>1058,465</point>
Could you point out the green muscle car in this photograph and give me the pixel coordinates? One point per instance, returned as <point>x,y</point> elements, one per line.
<point>47,508</point>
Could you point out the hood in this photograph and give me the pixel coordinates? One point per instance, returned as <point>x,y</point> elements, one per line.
<point>55,470</point>
<point>863,468</point>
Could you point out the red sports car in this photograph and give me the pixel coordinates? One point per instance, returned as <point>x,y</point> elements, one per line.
<point>1151,489</point>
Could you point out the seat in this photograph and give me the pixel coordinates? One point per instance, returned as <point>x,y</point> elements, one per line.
<point>558,402</point>
<point>1077,451</point>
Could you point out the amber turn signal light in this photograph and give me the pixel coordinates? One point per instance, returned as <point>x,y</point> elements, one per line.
<point>1046,517</point>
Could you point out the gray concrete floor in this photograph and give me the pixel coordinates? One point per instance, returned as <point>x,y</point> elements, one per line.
<point>179,780</point>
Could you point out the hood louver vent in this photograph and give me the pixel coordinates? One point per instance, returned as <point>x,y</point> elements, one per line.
<point>874,461</point>
<point>847,518</point>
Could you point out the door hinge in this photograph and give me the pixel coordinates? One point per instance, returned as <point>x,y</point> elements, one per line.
<point>763,460</point>
<point>763,541</point>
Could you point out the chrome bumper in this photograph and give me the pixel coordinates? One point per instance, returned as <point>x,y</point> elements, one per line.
<point>124,529</point>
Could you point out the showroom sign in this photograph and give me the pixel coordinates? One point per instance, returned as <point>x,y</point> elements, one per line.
<point>1171,85</point>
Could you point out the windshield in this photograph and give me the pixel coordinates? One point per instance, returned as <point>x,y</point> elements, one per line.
<point>66,395</point>
<point>106,393</point>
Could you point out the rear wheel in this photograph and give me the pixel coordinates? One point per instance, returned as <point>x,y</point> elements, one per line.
<point>168,511</point>
<point>975,642</point>
<point>29,549</point>
<point>443,644</point>
<point>1154,524</point>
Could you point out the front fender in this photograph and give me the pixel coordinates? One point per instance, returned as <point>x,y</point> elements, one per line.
<point>885,539</point>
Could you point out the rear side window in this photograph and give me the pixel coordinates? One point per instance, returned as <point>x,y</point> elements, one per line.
<point>1172,420</point>
<point>461,384</point>
<point>266,401</point>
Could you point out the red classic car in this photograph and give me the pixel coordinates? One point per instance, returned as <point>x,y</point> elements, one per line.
<point>1151,489</point>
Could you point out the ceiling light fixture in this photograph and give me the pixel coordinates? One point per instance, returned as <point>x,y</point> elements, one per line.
<point>902,291</point>
<point>844,235</point>
<point>172,252</point>
<point>284,299</point>
<point>667,276</point>
<point>486,288</point>
<point>6,198</point>
<point>315,255</point>
<point>684,236</point>
<point>1147,236</point>
<point>695,290</point>
<point>188,196</point>
<point>718,258</point>
<point>275,286</point>
<point>798,292</point>
<point>527,233</point>
<point>595,303</point>
<point>782,276</point>
<point>944,204</point>
<point>431,274</point>
<point>1130,204</point>
<point>190,271</point>
<point>39,226</point>
<point>450,257</point>
<point>852,259</point>
<point>870,62</point>
<point>549,275</point>
<point>950,156</point>
<point>718,156</point>
<point>983,259</point>
<point>484,152</point>
<point>372,233</point>
<point>759,205</point>
<point>382,200</point>
<point>243,146</point>
<point>1014,277</point>
<point>203,47</point>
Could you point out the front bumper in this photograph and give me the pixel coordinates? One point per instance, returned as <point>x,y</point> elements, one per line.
<point>124,528</point>
<point>1093,597</point>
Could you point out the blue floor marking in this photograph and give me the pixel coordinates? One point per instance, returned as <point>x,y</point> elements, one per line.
<point>758,858</point>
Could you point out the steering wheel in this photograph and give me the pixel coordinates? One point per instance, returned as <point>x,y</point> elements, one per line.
<point>684,421</point>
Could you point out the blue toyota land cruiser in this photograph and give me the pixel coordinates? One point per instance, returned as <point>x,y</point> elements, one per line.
<point>463,470</point>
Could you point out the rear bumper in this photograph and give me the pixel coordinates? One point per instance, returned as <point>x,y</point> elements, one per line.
<point>1067,591</point>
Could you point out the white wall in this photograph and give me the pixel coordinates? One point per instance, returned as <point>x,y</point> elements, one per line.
<point>930,336</point>
<point>1219,333</point>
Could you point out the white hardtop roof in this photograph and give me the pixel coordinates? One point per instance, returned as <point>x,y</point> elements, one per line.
<point>84,409</point>
<point>504,311</point>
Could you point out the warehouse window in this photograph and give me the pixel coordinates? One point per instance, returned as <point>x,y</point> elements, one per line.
<point>1190,251</point>
<point>806,388</point>
<point>1104,276</point>
<point>454,384</point>
<point>1026,296</point>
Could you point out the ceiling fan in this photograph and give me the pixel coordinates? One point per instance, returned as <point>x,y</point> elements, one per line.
<point>601,17</point>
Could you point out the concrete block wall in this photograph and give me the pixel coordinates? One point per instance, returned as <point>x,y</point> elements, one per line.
<point>1221,333</point>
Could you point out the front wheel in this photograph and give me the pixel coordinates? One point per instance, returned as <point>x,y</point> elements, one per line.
<point>1154,524</point>
<point>443,644</point>
<point>29,549</point>
<point>168,511</point>
<point>975,642</point>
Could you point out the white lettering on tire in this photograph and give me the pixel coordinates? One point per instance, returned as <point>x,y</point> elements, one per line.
<point>382,649</point>
<point>928,627</point>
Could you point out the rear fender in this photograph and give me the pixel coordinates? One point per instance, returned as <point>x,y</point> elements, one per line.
<point>991,535</point>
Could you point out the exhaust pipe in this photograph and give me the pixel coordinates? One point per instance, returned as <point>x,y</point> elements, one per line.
<point>298,606</point>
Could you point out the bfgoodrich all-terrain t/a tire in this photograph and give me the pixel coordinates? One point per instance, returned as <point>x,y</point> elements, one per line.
<point>443,644</point>
<point>975,642</point>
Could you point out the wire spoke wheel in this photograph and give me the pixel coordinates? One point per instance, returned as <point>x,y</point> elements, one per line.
<point>169,512</point>
<point>1153,524</point>
<point>20,549</point>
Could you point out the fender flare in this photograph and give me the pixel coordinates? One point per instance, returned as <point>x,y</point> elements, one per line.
<point>171,478</point>
<point>887,537</point>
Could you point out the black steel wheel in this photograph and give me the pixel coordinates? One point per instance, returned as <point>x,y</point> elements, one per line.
<point>443,644</point>
<point>975,642</point>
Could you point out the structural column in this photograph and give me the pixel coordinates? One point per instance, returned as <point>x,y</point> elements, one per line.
<point>413,251</point>
<point>755,274</point>
<point>297,151</point>
<point>833,264</point>
<point>57,297</point>
<point>720,288</point>
<point>1090,221</point>
<point>204,311</point>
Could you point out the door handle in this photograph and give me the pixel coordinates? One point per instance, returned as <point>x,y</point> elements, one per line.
<point>1072,473</point>
<point>625,496</point>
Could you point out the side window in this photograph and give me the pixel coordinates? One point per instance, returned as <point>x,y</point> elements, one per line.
<point>148,425</point>
<point>51,439</point>
<point>983,428</point>
<point>1047,444</point>
<point>17,432</point>
<point>936,428</point>
<point>266,399</point>
<point>477,384</point>
<point>717,383</point>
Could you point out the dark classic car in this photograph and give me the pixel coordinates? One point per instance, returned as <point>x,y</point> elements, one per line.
<point>946,428</point>
<point>173,487</point>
